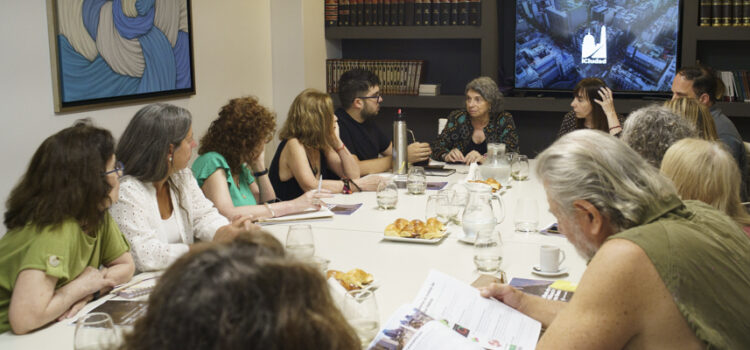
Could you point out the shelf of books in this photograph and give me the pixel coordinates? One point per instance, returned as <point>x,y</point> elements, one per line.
<point>405,32</point>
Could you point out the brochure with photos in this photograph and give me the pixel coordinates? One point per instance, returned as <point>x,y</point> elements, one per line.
<point>552,290</point>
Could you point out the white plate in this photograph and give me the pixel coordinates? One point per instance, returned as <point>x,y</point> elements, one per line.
<point>537,271</point>
<point>416,240</point>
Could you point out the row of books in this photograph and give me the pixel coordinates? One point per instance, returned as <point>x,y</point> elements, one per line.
<point>736,85</point>
<point>724,13</point>
<point>402,12</point>
<point>397,77</point>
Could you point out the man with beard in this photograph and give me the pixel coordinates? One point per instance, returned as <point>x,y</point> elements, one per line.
<point>360,96</point>
<point>663,273</point>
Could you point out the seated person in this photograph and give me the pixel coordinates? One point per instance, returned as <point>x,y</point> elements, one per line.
<point>652,129</point>
<point>234,140</point>
<point>704,170</point>
<point>59,232</point>
<point>593,108</point>
<point>310,148</point>
<point>161,210</point>
<point>241,295</point>
<point>663,273</point>
<point>359,92</point>
<point>467,132</point>
<point>697,114</point>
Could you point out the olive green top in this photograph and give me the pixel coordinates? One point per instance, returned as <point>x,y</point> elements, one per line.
<point>703,258</point>
<point>62,251</point>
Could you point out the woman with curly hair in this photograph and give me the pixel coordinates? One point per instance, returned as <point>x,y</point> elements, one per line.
<point>59,231</point>
<point>467,132</point>
<point>233,142</point>
<point>241,295</point>
<point>310,148</point>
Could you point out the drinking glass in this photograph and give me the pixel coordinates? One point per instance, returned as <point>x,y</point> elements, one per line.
<point>438,206</point>
<point>95,331</point>
<point>361,310</point>
<point>459,200</point>
<point>526,215</point>
<point>519,169</point>
<point>488,251</point>
<point>416,180</point>
<point>387,194</point>
<point>299,242</point>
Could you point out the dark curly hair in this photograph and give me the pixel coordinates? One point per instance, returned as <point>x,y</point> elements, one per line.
<point>243,125</point>
<point>65,180</point>
<point>241,295</point>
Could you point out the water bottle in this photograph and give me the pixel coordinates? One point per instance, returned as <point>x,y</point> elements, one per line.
<point>399,165</point>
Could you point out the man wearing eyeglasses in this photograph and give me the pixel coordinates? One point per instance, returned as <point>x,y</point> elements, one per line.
<point>359,92</point>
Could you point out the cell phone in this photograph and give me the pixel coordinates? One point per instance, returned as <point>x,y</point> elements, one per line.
<point>553,229</point>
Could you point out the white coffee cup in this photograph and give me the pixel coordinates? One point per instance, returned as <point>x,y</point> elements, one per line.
<point>550,258</point>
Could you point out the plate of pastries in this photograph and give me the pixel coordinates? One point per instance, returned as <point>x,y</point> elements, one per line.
<point>353,279</point>
<point>416,231</point>
<point>496,186</point>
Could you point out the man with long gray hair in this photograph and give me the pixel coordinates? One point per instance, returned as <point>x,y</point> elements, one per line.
<point>663,273</point>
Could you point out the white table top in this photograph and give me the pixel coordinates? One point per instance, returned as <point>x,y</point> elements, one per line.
<point>399,268</point>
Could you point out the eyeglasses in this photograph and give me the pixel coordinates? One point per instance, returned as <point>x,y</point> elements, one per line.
<point>119,169</point>
<point>377,97</point>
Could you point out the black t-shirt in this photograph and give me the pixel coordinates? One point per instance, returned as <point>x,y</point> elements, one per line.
<point>364,140</point>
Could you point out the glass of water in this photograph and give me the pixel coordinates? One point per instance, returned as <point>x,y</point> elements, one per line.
<point>416,180</point>
<point>299,242</point>
<point>361,310</point>
<point>519,169</point>
<point>438,206</point>
<point>488,252</point>
<point>387,194</point>
<point>95,331</point>
<point>526,215</point>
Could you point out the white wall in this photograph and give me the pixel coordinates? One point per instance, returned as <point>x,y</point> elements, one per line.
<point>232,48</point>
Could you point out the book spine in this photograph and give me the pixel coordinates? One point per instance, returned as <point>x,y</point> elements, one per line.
<point>331,12</point>
<point>353,12</point>
<point>454,12</point>
<point>705,13</point>
<point>726,16</point>
<point>367,13</point>
<point>394,12</point>
<point>463,12</point>
<point>426,12</point>
<point>737,13</point>
<point>401,12</point>
<point>475,15</point>
<point>746,13</point>
<point>377,13</point>
<point>343,13</point>
<point>360,13</point>
<point>409,6</point>
<point>418,12</point>
<point>386,12</point>
<point>445,12</point>
<point>436,5</point>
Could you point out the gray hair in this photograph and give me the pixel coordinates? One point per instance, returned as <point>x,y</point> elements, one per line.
<point>144,146</point>
<point>652,129</point>
<point>489,91</point>
<point>597,167</point>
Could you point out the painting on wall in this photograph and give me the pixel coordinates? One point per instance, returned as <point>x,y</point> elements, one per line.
<point>110,51</point>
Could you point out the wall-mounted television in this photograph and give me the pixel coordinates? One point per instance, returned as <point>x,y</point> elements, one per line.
<point>633,45</point>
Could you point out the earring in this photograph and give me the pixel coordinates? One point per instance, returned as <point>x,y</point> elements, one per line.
<point>170,159</point>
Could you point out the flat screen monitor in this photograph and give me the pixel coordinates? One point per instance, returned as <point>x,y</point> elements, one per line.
<point>633,45</point>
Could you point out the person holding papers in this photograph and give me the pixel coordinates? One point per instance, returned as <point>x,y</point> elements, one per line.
<point>62,248</point>
<point>232,149</point>
<point>663,273</point>
<point>161,209</point>
<point>310,147</point>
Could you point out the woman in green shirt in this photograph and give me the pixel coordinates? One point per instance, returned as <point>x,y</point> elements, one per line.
<point>62,248</point>
<point>231,168</point>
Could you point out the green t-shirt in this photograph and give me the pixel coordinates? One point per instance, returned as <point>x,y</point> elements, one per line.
<point>209,162</point>
<point>703,258</point>
<point>62,252</point>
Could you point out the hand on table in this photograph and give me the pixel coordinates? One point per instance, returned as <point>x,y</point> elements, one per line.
<point>418,151</point>
<point>454,156</point>
<point>77,306</point>
<point>472,157</point>
<point>368,183</point>
<point>311,199</point>
<point>239,224</point>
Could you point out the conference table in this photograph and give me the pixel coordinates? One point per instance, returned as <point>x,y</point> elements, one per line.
<point>399,268</point>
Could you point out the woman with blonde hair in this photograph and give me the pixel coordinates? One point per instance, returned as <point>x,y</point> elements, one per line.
<point>698,115</point>
<point>311,149</point>
<point>704,170</point>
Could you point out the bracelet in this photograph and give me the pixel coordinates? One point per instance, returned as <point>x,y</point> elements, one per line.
<point>97,295</point>
<point>346,189</point>
<point>356,186</point>
<point>340,148</point>
<point>273,214</point>
<point>615,127</point>
<point>261,173</point>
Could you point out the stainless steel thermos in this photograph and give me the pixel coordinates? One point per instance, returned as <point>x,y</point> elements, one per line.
<point>400,143</point>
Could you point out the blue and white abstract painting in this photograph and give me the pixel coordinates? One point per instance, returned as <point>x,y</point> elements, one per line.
<point>117,48</point>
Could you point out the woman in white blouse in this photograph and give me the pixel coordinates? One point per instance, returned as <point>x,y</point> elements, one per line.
<point>161,209</point>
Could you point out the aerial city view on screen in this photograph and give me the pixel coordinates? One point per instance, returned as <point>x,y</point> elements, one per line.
<point>631,44</point>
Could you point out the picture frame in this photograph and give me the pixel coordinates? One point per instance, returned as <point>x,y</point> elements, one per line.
<point>109,52</point>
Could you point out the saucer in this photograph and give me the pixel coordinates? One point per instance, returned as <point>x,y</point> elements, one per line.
<point>468,240</point>
<point>537,271</point>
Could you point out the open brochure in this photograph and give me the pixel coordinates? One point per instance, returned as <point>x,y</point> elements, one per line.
<point>451,307</point>
<point>552,290</point>
<point>322,213</point>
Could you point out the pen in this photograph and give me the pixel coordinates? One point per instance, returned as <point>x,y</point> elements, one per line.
<point>320,182</point>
